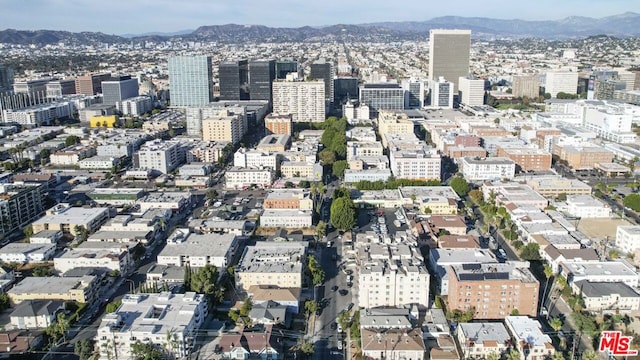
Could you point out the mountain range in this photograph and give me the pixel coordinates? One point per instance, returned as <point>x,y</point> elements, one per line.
<point>623,25</point>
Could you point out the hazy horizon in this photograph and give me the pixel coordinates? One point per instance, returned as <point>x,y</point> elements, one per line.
<point>169,16</point>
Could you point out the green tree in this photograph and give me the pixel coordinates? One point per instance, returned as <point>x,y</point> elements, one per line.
<point>315,270</point>
<point>289,185</point>
<point>321,229</point>
<point>4,302</point>
<point>557,356</point>
<point>71,140</point>
<point>556,324</point>
<point>531,251</point>
<point>84,348</point>
<point>304,347</point>
<point>204,281</point>
<point>146,351</point>
<point>327,156</point>
<point>513,355</point>
<point>343,213</point>
<point>493,356</point>
<point>310,307</point>
<point>590,355</point>
<point>460,186</point>
<point>476,196</point>
<point>28,231</point>
<point>41,271</point>
<point>515,312</point>
<point>212,194</point>
<point>339,167</point>
<point>59,328</point>
<point>112,306</point>
<point>632,201</point>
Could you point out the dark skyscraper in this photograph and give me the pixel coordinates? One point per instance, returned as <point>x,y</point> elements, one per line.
<point>323,70</point>
<point>234,80</point>
<point>261,76</point>
<point>286,66</point>
<point>345,88</point>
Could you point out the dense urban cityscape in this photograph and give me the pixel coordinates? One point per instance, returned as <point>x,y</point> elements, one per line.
<point>352,195</point>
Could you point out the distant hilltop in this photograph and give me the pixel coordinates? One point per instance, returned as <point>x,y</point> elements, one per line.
<point>623,25</point>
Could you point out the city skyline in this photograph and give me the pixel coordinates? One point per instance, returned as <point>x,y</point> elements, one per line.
<point>170,16</point>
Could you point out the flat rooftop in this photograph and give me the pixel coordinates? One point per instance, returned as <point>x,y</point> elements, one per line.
<point>276,257</point>
<point>50,284</point>
<point>73,215</point>
<point>197,245</point>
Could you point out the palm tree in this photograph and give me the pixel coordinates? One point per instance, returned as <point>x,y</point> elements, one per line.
<point>163,223</point>
<point>493,356</point>
<point>557,356</point>
<point>556,324</point>
<point>548,273</point>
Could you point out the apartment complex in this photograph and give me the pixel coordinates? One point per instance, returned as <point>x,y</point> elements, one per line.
<point>494,290</point>
<point>226,126</point>
<point>239,178</point>
<point>526,86</point>
<point>70,219</point>
<point>162,156</point>
<point>482,169</point>
<point>279,124</point>
<point>527,159</point>
<point>304,100</point>
<point>198,250</point>
<point>471,91</point>
<point>298,199</point>
<point>80,289</point>
<point>170,320</point>
<point>271,264</point>
<point>20,205</point>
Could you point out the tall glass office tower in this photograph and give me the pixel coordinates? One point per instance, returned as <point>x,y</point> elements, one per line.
<point>190,80</point>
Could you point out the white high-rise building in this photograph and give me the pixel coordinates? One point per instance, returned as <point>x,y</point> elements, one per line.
<point>561,81</point>
<point>449,52</point>
<point>471,91</point>
<point>304,100</point>
<point>441,93</point>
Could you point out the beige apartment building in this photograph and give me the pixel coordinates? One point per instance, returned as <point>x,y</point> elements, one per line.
<point>299,199</point>
<point>272,264</point>
<point>80,289</point>
<point>223,127</point>
<point>526,86</point>
<point>583,157</point>
<point>390,122</point>
<point>493,290</point>
<point>304,100</point>
<point>551,187</point>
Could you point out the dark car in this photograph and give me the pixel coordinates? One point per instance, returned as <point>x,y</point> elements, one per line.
<point>343,292</point>
<point>334,288</point>
<point>349,284</point>
<point>350,306</point>
<point>334,326</point>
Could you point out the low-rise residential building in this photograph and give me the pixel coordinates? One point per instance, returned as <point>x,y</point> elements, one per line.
<point>586,206</point>
<point>527,158</point>
<point>393,344</point>
<point>278,218</point>
<point>238,178</point>
<point>436,200</point>
<point>291,169</point>
<point>255,159</point>
<point>46,237</point>
<point>386,318</point>
<point>274,143</point>
<point>217,225</point>
<point>70,156</point>
<point>71,219</point>
<point>608,297</point>
<point>271,264</point>
<point>453,224</point>
<point>456,152</point>
<point>26,253</point>
<point>171,320</point>
<point>556,256</point>
<point>605,271</point>
<point>482,169</point>
<point>520,195</point>
<point>628,238</point>
<point>478,340</point>
<point>80,289</point>
<point>289,297</point>
<point>299,199</point>
<point>35,314</point>
<point>257,344</point>
<point>168,200</point>
<point>553,186</point>
<point>417,164</point>
<point>159,275</point>
<point>583,157</point>
<point>354,176</point>
<point>493,290</point>
<point>279,124</point>
<point>197,169</point>
<point>98,163</point>
<point>529,338</point>
<point>207,152</point>
<point>198,250</point>
<point>103,259</point>
<point>363,148</point>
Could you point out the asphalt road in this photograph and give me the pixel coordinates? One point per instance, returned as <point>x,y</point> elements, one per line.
<point>327,340</point>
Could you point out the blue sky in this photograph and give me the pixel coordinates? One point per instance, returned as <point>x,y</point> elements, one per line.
<point>140,16</point>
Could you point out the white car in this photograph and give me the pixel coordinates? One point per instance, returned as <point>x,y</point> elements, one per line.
<point>329,243</point>
<point>339,328</point>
